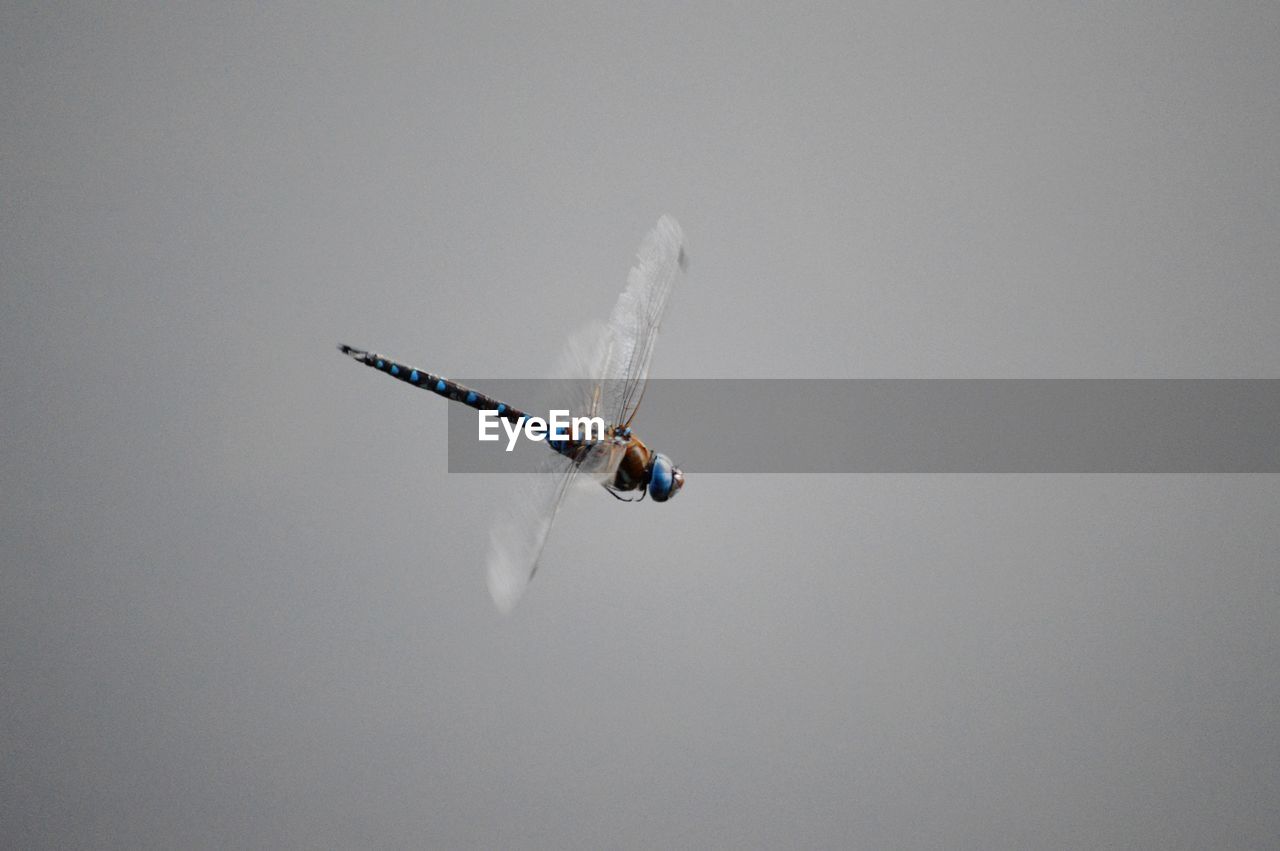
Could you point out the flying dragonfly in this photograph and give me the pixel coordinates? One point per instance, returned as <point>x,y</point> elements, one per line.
<point>611,364</point>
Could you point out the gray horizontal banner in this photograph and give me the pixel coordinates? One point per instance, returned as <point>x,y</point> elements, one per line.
<point>921,425</point>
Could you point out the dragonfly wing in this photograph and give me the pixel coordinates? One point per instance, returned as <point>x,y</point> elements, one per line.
<point>604,369</point>
<point>519,534</point>
<point>580,368</point>
<point>633,325</point>
<point>520,531</point>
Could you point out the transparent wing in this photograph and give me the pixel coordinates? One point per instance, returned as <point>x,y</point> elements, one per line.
<point>520,532</point>
<point>520,529</point>
<point>633,325</point>
<point>603,370</point>
<point>579,369</point>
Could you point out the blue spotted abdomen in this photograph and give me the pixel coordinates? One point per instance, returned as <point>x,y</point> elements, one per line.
<point>436,384</point>
<point>453,391</point>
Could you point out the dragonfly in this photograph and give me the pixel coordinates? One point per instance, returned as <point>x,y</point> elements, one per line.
<point>606,371</point>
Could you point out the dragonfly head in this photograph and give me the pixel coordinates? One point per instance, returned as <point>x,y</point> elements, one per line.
<point>665,478</point>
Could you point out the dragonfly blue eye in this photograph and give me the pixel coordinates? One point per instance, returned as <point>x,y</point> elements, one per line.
<point>660,478</point>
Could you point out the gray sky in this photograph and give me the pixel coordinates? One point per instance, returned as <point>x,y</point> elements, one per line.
<point>242,600</point>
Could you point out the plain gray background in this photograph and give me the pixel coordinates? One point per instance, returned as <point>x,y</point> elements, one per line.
<point>242,600</point>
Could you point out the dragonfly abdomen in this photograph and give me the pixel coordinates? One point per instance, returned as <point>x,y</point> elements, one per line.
<point>437,384</point>
<point>456,392</point>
